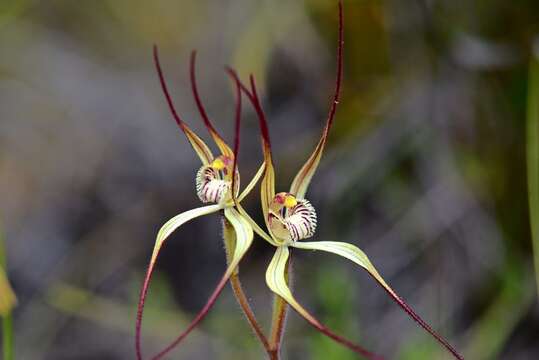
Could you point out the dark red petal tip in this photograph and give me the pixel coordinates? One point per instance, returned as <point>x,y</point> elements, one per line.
<point>200,316</point>
<point>198,101</point>
<point>165,88</point>
<point>236,138</point>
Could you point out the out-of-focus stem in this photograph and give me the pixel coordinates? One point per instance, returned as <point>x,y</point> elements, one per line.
<point>7,336</point>
<point>229,237</point>
<point>532,154</point>
<point>278,319</point>
<point>7,318</point>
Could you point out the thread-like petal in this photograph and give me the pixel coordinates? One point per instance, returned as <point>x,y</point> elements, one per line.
<point>356,255</point>
<point>165,231</point>
<point>303,178</point>
<point>267,185</point>
<point>244,239</point>
<point>202,150</point>
<point>221,144</point>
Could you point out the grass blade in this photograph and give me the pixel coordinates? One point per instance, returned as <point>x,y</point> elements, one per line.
<point>7,302</point>
<point>532,154</point>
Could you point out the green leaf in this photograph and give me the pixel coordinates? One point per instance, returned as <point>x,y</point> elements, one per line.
<point>532,154</point>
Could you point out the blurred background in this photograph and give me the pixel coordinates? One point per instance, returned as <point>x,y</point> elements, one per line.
<point>425,171</point>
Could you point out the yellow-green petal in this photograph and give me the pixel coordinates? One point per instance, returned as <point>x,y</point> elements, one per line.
<point>244,237</point>
<point>275,278</point>
<point>200,147</point>
<point>257,229</point>
<point>348,251</point>
<point>252,183</point>
<point>170,226</point>
<point>354,254</point>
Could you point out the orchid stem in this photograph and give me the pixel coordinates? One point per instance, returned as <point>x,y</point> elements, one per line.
<point>278,319</point>
<point>229,237</point>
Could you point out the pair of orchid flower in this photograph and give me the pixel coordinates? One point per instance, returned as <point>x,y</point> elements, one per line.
<point>289,217</point>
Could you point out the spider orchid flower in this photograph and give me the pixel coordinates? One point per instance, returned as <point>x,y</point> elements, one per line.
<point>290,218</point>
<point>217,184</point>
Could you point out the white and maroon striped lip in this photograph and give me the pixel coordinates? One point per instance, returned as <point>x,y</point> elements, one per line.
<point>295,223</point>
<point>301,220</point>
<point>209,185</point>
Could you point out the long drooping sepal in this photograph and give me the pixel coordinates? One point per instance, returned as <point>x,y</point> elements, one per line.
<point>303,178</point>
<point>244,238</point>
<point>198,145</point>
<point>354,254</point>
<point>7,297</point>
<point>225,149</point>
<point>165,231</point>
<point>229,237</point>
<point>275,278</point>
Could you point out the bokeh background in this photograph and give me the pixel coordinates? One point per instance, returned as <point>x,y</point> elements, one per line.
<point>425,171</point>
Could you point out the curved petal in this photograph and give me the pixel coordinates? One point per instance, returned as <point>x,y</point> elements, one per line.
<point>303,178</point>
<point>354,254</point>
<point>244,238</point>
<point>225,149</point>
<point>257,229</point>
<point>202,150</point>
<point>267,188</point>
<point>275,278</point>
<point>252,183</point>
<point>8,300</point>
<point>162,235</point>
<point>237,122</point>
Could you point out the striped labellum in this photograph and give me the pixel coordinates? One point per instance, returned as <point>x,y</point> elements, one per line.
<point>291,219</point>
<point>213,181</point>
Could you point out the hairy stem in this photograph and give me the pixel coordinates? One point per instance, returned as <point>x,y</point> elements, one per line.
<point>278,318</point>
<point>229,237</point>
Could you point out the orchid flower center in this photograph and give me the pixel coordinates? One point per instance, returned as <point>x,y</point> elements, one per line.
<point>213,181</point>
<point>291,219</point>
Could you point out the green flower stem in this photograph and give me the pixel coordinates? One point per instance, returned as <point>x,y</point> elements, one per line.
<point>229,237</point>
<point>532,152</point>
<point>7,319</point>
<point>278,319</point>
